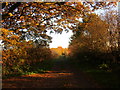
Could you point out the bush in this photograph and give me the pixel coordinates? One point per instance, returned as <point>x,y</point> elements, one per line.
<point>17,61</point>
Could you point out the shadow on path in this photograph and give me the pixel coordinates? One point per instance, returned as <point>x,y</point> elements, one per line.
<point>61,76</point>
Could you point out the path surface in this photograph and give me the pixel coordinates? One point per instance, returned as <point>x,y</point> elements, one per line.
<point>61,76</point>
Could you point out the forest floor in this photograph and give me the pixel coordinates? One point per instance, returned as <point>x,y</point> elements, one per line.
<point>62,75</point>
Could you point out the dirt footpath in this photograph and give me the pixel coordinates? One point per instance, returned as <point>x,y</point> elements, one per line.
<point>61,76</point>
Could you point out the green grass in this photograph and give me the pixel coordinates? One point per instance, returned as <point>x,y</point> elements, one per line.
<point>107,79</point>
<point>40,67</point>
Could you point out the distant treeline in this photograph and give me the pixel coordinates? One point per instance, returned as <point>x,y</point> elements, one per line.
<point>59,51</point>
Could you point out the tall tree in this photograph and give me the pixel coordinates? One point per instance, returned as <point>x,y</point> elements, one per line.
<point>91,36</point>
<point>112,19</point>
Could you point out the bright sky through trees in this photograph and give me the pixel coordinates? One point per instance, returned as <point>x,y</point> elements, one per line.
<point>60,39</point>
<point>63,39</point>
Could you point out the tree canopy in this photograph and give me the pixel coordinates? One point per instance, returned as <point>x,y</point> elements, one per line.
<point>31,20</point>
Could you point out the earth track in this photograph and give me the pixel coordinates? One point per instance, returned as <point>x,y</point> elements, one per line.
<point>62,75</point>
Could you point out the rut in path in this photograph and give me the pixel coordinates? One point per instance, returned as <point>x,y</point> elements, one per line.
<point>61,76</point>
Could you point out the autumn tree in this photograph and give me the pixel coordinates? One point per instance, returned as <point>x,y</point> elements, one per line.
<point>91,36</point>
<point>14,51</point>
<point>19,55</point>
<point>111,17</point>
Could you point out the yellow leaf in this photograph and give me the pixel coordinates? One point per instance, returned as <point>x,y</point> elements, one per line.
<point>6,3</point>
<point>37,23</point>
<point>21,17</point>
<point>10,14</point>
<point>48,3</point>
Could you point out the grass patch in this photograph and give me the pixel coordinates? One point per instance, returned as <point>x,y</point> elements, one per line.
<point>40,67</point>
<point>106,78</point>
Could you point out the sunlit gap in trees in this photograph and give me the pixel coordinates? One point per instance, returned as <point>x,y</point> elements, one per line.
<point>60,39</point>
